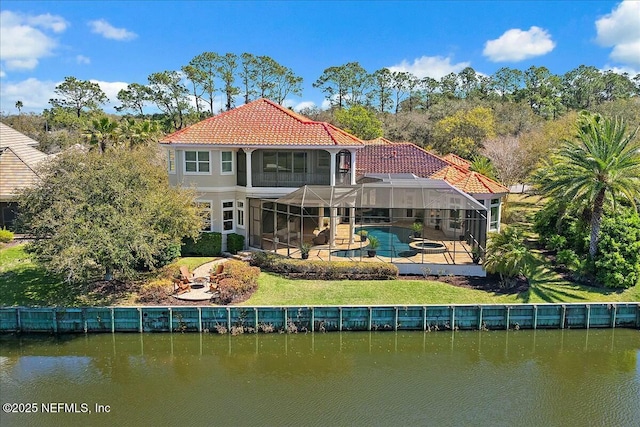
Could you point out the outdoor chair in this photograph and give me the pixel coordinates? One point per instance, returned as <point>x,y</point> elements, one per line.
<point>185,274</point>
<point>180,287</point>
<point>215,277</point>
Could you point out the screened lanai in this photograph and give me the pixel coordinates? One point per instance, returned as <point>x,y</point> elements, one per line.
<point>413,220</point>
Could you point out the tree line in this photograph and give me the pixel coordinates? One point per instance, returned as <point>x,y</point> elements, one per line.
<point>193,88</point>
<point>511,117</point>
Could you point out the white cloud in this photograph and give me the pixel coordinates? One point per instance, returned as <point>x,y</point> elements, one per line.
<point>81,59</point>
<point>108,31</point>
<point>111,89</point>
<point>430,66</point>
<point>23,41</point>
<point>302,105</point>
<point>621,30</point>
<point>621,70</point>
<point>517,45</point>
<point>47,21</point>
<point>33,93</point>
<point>2,74</point>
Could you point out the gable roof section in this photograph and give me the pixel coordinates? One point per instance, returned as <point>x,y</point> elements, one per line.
<point>457,160</point>
<point>262,123</point>
<point>18,165</point>
<point>469,181</point>
<point>10,137</point>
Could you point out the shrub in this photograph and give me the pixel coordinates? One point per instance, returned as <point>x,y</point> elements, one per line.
<point>568,258</point>
<point>235,243</point>
<point>507,255</point>
<point>5,235</point>
<point>170,253</point>
<point>617,262</point>
<point>240,283</point>
<point>557,242</point>
<point>156,292</point>
<point>207,244</point>
<point>324,270</point>
<point>545,221</point>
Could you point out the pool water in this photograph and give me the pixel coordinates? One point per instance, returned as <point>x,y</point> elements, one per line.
<point>394,243</point>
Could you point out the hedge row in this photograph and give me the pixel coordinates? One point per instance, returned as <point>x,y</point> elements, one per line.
<point>235,243</point>
<point>207,244</point>
<point>324,270</point>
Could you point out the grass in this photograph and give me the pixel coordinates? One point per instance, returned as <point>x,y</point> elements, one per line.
<point>23,282</point>
<point>276,290</point>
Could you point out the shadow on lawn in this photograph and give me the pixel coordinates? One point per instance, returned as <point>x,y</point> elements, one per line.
<point>550,286</point>
<point>33,286</point>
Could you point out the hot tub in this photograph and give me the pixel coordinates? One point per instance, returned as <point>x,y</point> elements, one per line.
<point>428,247</point>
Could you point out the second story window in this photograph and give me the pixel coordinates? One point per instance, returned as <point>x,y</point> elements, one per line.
<point>226,162</point>
<point>197,162</point>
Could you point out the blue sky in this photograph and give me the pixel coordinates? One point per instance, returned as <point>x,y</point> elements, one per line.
<point>119,42</point>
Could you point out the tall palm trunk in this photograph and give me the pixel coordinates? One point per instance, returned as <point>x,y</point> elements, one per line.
<point>596,220</point>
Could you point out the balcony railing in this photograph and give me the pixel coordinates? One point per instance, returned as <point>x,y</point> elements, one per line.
<point>288,179</point>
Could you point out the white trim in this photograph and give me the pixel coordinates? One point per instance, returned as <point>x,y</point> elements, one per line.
<point>244,216</point>
<point>232,209</point>
<point>184,162</point>
<point>233,161</point>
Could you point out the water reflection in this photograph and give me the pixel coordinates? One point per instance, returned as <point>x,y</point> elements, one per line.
<point>457,378</point>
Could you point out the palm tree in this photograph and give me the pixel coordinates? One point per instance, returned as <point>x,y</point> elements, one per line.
<point>507,255</point>
<point>19,106</point>
<point>103,133</point>
<point>483,166</point>
<point>600,164</point>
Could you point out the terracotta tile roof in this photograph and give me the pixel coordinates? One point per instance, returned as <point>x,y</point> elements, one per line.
<point>402,157</point>
<point>469,181</point>
<point>262,122</point>
<point>383,156</point>
<point>378,141</point>
<point>457,160</point>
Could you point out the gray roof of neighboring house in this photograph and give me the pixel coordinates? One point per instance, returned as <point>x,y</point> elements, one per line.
<point>18,162</point>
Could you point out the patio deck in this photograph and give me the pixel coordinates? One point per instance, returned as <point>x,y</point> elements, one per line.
<point>457,252</point>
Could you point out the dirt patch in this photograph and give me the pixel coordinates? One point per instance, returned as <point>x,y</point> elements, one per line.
<point>491,283</point>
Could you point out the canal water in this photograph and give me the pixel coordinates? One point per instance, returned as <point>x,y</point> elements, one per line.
<point>515,378</point>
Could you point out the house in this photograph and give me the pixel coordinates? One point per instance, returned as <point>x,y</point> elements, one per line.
<point>284,181</point>
<point>19,161</point>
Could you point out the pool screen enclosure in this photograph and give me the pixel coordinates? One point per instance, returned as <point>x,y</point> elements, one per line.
<point>335,221</point>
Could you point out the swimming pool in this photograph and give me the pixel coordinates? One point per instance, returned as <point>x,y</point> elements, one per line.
<point>394,243</point>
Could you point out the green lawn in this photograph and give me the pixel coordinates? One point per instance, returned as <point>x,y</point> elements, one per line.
<point>22,282</point>
<point>275,290</point>
<point>25,283</point>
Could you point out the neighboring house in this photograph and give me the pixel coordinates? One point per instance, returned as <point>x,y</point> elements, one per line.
<point>283,180</point>
<point>18,164</point>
